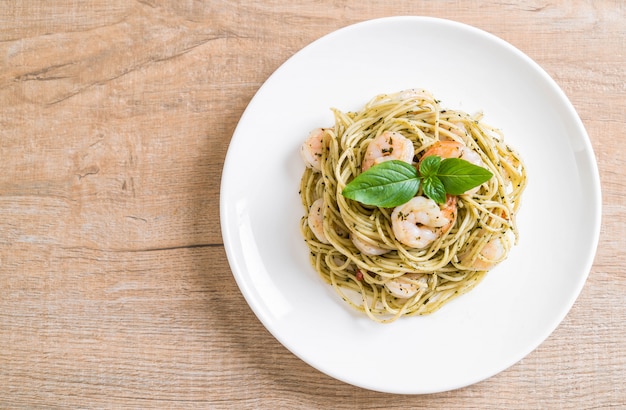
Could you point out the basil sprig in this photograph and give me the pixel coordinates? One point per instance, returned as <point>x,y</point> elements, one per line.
<point>393,183</point>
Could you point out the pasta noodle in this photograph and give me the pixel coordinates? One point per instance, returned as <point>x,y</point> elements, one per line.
<point>358,249</point>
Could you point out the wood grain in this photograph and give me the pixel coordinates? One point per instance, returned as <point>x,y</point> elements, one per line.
<point>115,118</point>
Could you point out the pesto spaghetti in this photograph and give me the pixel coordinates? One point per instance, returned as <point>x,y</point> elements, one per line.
<point>408,205</point>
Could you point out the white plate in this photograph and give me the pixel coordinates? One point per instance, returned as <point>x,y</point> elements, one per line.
<point>516,306</point>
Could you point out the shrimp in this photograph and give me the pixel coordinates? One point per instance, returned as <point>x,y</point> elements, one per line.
<point>421,221</point>
<point>367,248</point>
<point>492,253</point>
<point>458,128</point>
<point>311,149</point>
<point>387,146</point>
<point>316,220</point>
<point>407,285</point>
<point>454,149</point>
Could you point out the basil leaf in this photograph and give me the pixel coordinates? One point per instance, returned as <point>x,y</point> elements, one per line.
<point>459,176</point>
<point>434,189</point>
<point>387,185</point>
<point>430,166</point>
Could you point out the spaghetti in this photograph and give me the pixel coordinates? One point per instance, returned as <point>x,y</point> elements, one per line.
<point>363,251</point>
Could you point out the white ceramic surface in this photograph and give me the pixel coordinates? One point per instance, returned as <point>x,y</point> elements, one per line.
<point>516,306</point>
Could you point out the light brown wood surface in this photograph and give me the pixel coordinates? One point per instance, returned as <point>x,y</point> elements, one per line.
<point>115,118</point>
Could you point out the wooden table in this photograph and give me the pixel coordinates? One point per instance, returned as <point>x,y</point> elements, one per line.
<point>115,118</point>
